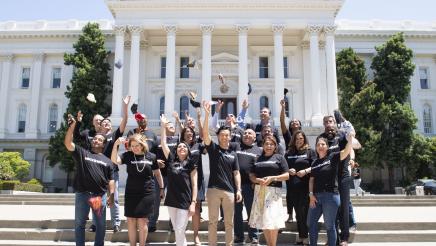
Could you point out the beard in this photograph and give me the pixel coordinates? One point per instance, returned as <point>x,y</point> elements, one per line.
<point>331,133</point>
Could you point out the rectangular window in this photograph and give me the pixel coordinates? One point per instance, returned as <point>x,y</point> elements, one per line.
<point>184,69</point>
<point>423,77</point>
<point>25,77</point>
<point>285,67</point>
<point>56,78</point>
<point>263,67</point>
<point>21,125</point>
<point>163,67</point>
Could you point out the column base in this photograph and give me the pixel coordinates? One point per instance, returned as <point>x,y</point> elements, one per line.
<point>317,120</point>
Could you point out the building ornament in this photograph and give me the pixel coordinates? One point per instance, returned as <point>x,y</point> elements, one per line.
<point>314,29</point>
<point>119,30</point>
<point>242,29</point>
<point>305,44</point>
<point>38,57</point>
<point>207,28</point>
<point>321,44</point>
<point>6,57</point>
<point>330,30</point>
<point>170,29</point>
<point>278,28</point>
<point>135,30</point>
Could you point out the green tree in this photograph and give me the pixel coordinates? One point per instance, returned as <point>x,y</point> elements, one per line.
<point>90,75</point>
<point>351,77</point>
<point>422,153</point>
<point>13,166</point>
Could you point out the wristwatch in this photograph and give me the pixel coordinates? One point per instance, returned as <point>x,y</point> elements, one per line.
<point>311,193</point>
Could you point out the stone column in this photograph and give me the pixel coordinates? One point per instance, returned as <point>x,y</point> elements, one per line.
<point>243,64</point>
<point>134,63</point>
<point>315,75</point>
<point>117,87</point>
<point>307,82</point>
<point>332,88</point>
<point>7,60</point>
<point>29,154</point>
<point>35,86</point>
<point>278,69</point>
<point>206,66</point>
<point>170,78</point>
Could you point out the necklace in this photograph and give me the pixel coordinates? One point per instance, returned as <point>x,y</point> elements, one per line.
<point>136,163</point>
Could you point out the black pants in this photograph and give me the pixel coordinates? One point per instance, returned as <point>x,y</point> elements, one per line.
<point>301,203</point>
<point>343,212</point>
<point>289,198</point>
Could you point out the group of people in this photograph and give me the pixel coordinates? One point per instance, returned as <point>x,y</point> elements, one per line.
<point>247,168</point>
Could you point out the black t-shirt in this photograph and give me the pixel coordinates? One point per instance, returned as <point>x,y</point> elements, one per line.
<point>179,190</point>
<point>222,163</point>
<point>336,144</point>
<point>299,160</point>
<point>325,172</point>
<point>197,150</point>
<point>258,130</point>
<point>151,138</point>
<point>93,171</point>
<point>236,134</point>
<point>172,144</point>
<point>140,172</point>
<point>270,166</point>
<point>246,158</point>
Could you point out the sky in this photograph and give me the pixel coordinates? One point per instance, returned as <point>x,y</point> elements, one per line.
<point>27,10</point>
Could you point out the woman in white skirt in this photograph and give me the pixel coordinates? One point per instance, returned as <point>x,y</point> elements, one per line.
<point>267,212</point>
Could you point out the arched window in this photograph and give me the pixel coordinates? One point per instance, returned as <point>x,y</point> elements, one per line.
<point>427,119</point>
<point>184,106</point>
<point>162,105</point>
<point>52,118</point>
<point>22,111</point>
<point>263,102</point>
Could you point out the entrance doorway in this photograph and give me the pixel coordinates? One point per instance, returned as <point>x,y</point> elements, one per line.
<point>229,107</point>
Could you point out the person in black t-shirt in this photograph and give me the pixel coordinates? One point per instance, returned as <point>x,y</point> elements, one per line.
<point>323,188</point>
<point>265,120</point>
<point>299,156</point>
<point>247,156</point>
<point>267,130</point>
<point>223,180</point>
<point>268,173</point>
<point>294,125</point>
<point>182,184</point>
<point>93,177</point>
<point>231,121</point>
<point>197,149</point>
<point>139,198</point>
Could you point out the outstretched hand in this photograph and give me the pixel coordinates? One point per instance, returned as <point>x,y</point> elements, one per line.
<point>126,100</point>
<point>79,116</point>
<point>245,104</point>
<point>71,119</point>
<point>163,120</point>
<point>283,103</point>
<point>206,107</point>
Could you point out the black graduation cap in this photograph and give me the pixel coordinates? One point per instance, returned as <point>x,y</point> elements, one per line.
<point>192,64</point>
<point>192,97</point>
<point>249,89</point>
<point>118,64</point>
<point>134,108</point>
<point>285,91</point>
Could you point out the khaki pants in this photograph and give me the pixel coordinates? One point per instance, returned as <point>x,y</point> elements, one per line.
<point>215,198</point>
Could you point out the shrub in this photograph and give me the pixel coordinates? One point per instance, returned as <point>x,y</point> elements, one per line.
<point>16,185</point>
<point>34,181</point>
<point>13,161</point>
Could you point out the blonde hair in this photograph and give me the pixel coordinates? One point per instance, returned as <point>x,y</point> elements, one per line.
<point>141,139</point>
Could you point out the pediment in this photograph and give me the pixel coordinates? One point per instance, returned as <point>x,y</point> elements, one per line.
<point>224,57</point>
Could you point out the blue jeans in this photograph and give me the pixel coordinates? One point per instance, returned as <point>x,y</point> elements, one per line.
<point>247,196</point>
<point>343,214</point>
<point>327,205</point>
<point>351,215</point>
<point>115,209</point>
<point>153,220</point>
<point>81,213</point>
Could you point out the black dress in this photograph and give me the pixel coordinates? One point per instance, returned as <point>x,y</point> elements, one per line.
<point>139,197</point>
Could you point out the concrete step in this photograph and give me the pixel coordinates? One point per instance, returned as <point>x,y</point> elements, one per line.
<point>164,225</point>
<point>165,236</point>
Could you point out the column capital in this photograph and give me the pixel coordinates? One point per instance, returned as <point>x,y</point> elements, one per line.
<point>242,28</point>
<point>330,29</point>
<point>135,29</point>
<point>119,30</point>
<point>314,29</point>
<point>207,28</point>
<point>278,28</point>
<point>321,44</point>
<point>6,57</point>
<point>38,57</point>
<point>305,44</point>
<point>170,29</point>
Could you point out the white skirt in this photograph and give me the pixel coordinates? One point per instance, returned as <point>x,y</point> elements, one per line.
<point>267,211</point>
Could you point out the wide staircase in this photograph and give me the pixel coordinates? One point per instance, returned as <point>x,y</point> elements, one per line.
<point>60,231</point>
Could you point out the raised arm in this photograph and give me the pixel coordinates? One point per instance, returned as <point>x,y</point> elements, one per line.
<point>346,151</point>
<point>178,122</point>
<point>206,135</point>
<point>115,158</point>
<point>282,117</point>
<point>200,124</point>
<point>68,141</point>
<point>163,136</point>
<point>214,125</point>
<point>123,122</point>
<point>240,120</point>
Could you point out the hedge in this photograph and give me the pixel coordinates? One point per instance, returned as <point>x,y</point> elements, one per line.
<point>16,185</point>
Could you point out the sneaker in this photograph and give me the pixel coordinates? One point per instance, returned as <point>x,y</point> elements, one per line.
<point>151,228</point>
<point>238,241</point>
<point>254,241</point>
<point>117,228</point>
<point>92,228</point>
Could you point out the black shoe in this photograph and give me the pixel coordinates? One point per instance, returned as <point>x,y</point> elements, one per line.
<point>254,241</point>
<point>238,241</point>
<point>117,228</point>
<point>151,228</point>
<point>92,228</point>
<point>170,226</point>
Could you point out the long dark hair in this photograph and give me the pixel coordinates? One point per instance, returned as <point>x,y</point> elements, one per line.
<point>188,157</point>
<point>290,126</point>
<point>292,144</point>
<point>182,135</point>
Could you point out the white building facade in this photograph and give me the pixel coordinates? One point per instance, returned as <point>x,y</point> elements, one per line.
<point>270,44</point>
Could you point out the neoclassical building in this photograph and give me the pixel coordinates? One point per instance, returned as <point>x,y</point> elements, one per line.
<point>170,47</point>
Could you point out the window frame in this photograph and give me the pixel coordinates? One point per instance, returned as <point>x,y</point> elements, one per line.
<point>184,70</point>
<point>52,84</point>
<point>23,78</point>
<point>263,70</point>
